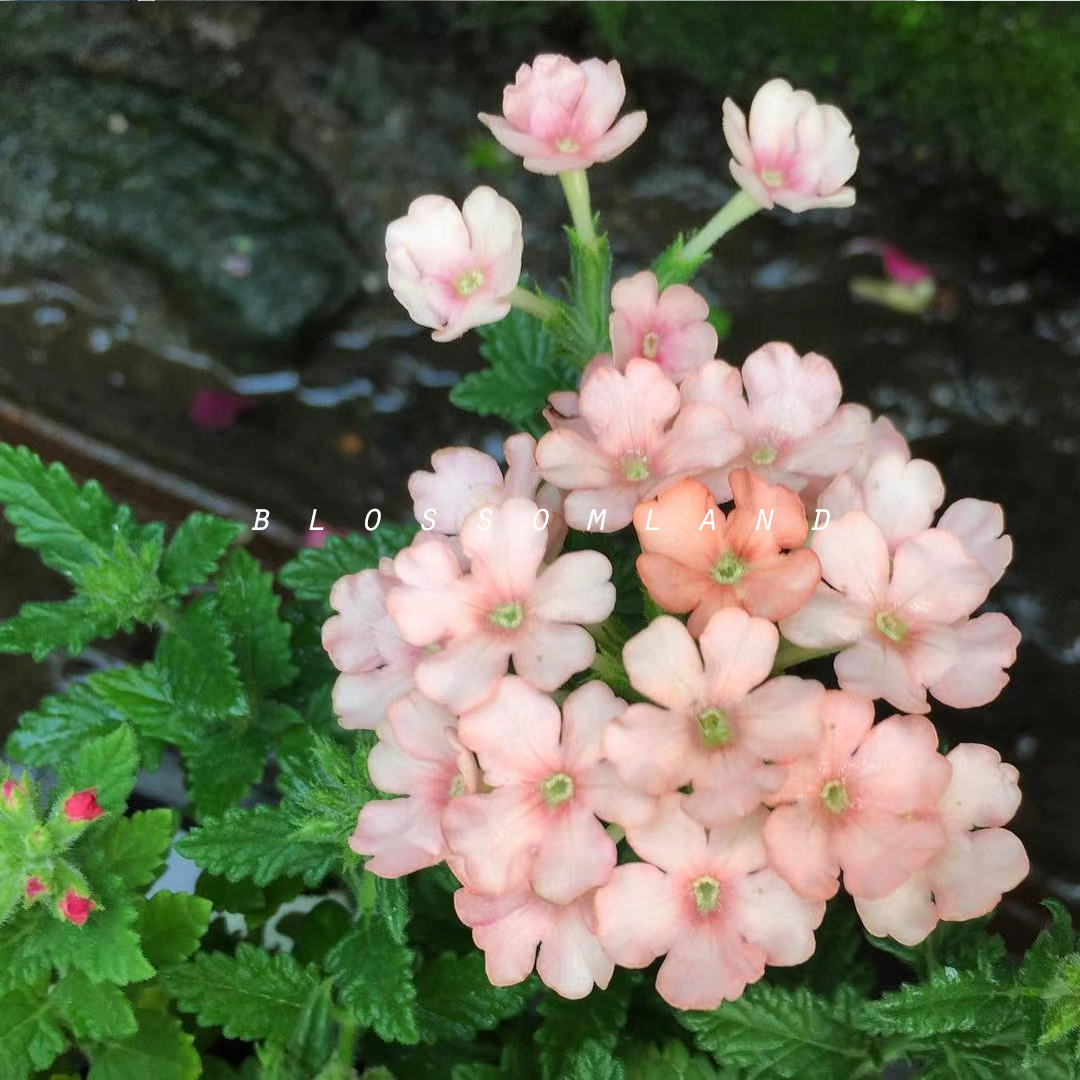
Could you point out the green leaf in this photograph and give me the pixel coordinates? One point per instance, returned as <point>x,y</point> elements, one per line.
<point>106,948</point>
<point>593,1061</point>
<point>107,763</point>
<point>455,1000</point>
<point>672,1061</point>
<point>222,767</point>
<point>194,551</point>
<point>581,327</point>
<point>41,628</point>
<point>29,1036</point>
<point>770,1032</point>
<point>524,369</point>
<point>171,925</point>
<point>671,268</point>
<point>316,931</point>
<point>312,1039</point>
<point>375,980</point>
<point>249,608</point>
<point>160,1048</point>
<point>259,844</point>
<point>92,1011</point>
<point>1063,996</point>
<point>951,1001</point>
<point>311,575</point>
<point>252,995</point>
<point>133,848</point>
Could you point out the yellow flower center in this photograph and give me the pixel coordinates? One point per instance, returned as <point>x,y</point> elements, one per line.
<point>636,467</point>
<point>706,894</point>
<point>567,145</point>
<point>556,789</point>
<point>650,346</point>
<point>892,627</point>
<point>764,454</point>
<point>834,796</point>
<point>715,727</point>
<point>773,178</point>
<point>469,282</point>
<point>507,616</point>
<point>728,570</point>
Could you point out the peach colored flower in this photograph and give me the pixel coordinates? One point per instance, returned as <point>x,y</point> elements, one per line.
<point>981,860</point>
<point>791,419</point>
<point>505,605</point>
<point>635,438</point>
<point>865,804</point>
<point>539,825</point>
<point>694,559</point>
<point>794,152</point>
<point>670,328</point>
<point>895,623</point>
<point>711,728</point>
<point>560,116</point>
<point>707,900</point>
<point>418,756</point>
<point>518,929</point>
<point>985,647</point>
<point>376,665</point>
<point>980,526</point>
<point>452,269</point>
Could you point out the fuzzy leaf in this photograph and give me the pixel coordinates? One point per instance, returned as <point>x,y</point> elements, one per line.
<point>107,763</point>
<point>593,1061</point>
<point>251,995</point>
<point>569,1026</point>
<point>672,268</point>
<point>41,628</point>
<point>106,949</point>
<point>375,980</point>
<point>222,767</point>
<point>29,1036</point>
<point>133,848</point>
<point>92,1011</point>
<point>672,1061</point>
<point>455,1000</point>
<point>312,574</point>
<point>195,549</point>
<point>171,925</point>
<point>160,1048</point>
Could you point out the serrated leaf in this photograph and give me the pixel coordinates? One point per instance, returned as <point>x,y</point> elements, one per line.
<point>170,926</point>
<point>260,639</point>
<point>672,268</point>
<point>258,844</point>
<point>195,549</point>
<point>672,1061</point>
<point>311,575</point>
<point>951,1001</point>
<point>107,763</point>
<point>222,766</point>
<point>312,1039</point>
<point>133,848</point>
<point>41,628</point>
<point>593,1061</point>
<point>106,948</point>
<point>92,1011</point>
<point>771,1032</point>
<point>455,1000</point>
<point>252,995</point>
<point>375,980</point>
<point>316,931</point>
<point>29,1036</point>
<point>160,1048</point>
<point>524,368</point>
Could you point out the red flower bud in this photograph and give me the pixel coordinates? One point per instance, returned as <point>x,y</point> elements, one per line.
<point>75,908</point>
<point>35,887</point>
<point>82,806</point>
<point>11,793</point>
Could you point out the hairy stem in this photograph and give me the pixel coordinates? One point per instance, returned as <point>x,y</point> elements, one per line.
<point>536,304</point>
<point>737,209</point>
<point>576,188</point>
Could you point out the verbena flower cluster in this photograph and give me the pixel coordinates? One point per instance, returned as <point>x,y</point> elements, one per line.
<point>708,820</point>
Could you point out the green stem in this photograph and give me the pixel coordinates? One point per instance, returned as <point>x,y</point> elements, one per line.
<point>346,1048</point>
<point>536,304</point>
<point>789,654</point>
<point>576,188</point>
<point>737,209</point>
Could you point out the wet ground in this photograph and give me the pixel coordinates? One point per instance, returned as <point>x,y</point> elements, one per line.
<point>352,398</point>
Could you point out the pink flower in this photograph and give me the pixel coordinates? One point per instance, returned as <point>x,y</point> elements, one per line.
<point>980,526</point>
<point>419,756</point>
<point>670,328</point>
<point>377,665</point>
<point>985,647</point>
<point>560,116</point>
<point>894,622</point>
<point>538,826</point>
<point>640,438</point>
<point>82,806</point>
<point>712,729</point>
<point>34,887</point>
<point>981,860</point>
<point>452,269</point>
<point>505,606</point>
<point>794,152</point>
<point>793,424</point>
<point>75,908</point>
<point>900,495</point>
<point>510,927</point>
<point>709,902</point>
<point>693,559</point>
<point>865,803</point>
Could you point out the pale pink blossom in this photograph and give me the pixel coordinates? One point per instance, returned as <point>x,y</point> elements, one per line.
<point>694,559</point>
<point>710,727</point>
<point>418,756</point>
<point>895,619</point>
<point>980,862</point>
<point>638,437</point>
<point>670,328</point>
<point>518,929</point>
<point>505,605</point>
<point>560,116</point>
<point>791,419</point>
<point>453,269</point>
<point>539,825</point>
<point>794,152</point>
<point>981,528</point>
<point>865,803</point>
<point>709,901</point>
<point>985,647</point>
<point>377,666</point>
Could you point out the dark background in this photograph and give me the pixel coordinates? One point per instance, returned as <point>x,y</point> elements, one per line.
<point>194,195</point>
